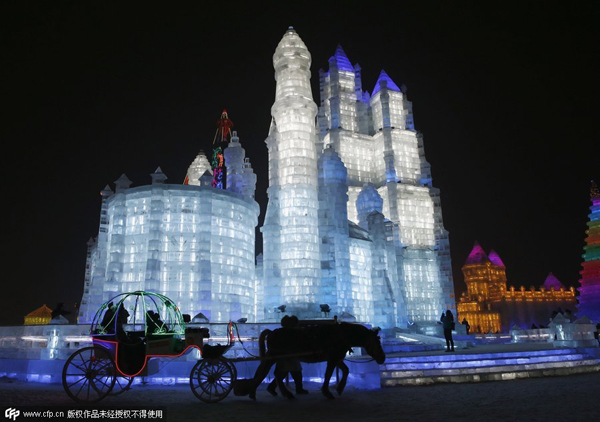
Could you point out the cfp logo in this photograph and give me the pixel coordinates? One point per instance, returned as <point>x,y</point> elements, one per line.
<point>11,413</point>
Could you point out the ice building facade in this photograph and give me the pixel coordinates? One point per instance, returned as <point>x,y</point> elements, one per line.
<point>353,221</point>
<point>192,243</point>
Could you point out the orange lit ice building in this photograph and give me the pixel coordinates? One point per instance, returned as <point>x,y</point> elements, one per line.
<point>489,306</point>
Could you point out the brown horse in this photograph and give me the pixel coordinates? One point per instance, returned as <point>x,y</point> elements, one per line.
<point>315,343</point>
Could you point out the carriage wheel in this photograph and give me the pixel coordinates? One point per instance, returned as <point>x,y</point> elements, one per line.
<point>122,384</point>
<point>211,380</point>
<point>89,375</point>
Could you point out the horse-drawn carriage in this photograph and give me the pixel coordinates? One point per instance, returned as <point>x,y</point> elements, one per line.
<point>126,344</point>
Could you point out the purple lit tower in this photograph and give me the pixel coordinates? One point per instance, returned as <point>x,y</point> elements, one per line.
<point>589,292</point>
<point>495,259</point>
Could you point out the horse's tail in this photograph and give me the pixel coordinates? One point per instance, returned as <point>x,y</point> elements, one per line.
<point>261,342</point>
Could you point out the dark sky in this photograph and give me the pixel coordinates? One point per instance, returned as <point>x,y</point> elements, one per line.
<point>505,95</point>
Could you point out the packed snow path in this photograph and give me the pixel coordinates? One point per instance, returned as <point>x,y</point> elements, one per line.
<point>572,398</point>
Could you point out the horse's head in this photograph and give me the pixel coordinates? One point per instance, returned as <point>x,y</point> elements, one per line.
<point>373,346</point>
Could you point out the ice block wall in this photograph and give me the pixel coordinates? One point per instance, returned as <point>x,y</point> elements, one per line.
<point>194,244</point>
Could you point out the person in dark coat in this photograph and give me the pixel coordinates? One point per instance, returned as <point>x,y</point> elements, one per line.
<point>290,365</point>
<point>466,324</point>
<point>122,316</point>
<point>108,317</point>
<point>448,323</point>
<point>151,322</point>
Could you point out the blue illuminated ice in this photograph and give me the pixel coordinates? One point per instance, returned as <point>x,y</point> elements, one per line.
<point>353,223</point>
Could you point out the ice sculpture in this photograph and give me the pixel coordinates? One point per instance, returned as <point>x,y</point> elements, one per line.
<point>367,166</point>
<point>374,136</point>
<point>368,201</point>
<point>198,167</point>
<point>192,243</point>
<point>589,292</point>
<point>240,177</point>
<point>353,224</point>
<point>292,262</point>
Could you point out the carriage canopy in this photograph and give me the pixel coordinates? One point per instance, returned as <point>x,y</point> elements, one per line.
<point>145,313</point>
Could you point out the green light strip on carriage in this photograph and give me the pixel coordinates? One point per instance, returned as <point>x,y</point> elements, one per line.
<point>173,314</point>
<point>145,316</point>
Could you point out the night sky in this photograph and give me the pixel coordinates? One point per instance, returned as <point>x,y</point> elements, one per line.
<point>506,97</point>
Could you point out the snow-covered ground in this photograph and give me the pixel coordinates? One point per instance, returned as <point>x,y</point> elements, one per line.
<point>569,398</point>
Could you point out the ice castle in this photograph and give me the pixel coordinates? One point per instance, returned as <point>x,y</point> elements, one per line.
<point>192,243</point>
<point>353,224</point>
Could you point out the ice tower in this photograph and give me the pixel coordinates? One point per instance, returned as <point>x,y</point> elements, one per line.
<point>353,223</point>
<point>374,136</point>
<point>589,292</point>
<point>292,265</point>
<point>192,242</point>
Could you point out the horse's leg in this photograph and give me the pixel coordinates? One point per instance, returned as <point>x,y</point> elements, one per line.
<point>261,372</point>
<point>328,373</point>
<point>345,371</point>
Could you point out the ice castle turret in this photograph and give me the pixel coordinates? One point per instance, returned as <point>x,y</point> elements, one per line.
<point>368,201</point>
<point>96,263</point>
<point>334,231</point>
<point>199,166</point>
<point>292,258</point>
<point>240,177</point>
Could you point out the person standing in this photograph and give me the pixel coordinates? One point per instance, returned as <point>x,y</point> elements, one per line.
<point>448,323</point>
<point>466,324</point>
<point>290,365</point>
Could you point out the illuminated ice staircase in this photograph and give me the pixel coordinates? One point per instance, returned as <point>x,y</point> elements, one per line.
<point>413,342</point>
<point>478,365</point>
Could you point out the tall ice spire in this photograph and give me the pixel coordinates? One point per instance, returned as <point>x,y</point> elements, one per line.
<point>589,292</point>
<point>291,251</point>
